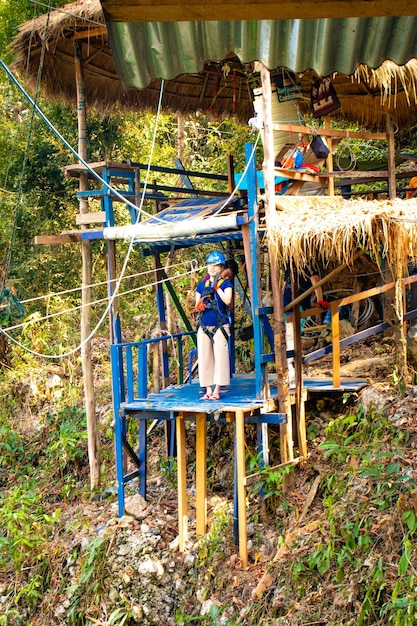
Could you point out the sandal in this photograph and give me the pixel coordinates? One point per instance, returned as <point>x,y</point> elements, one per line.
<point>215,396</point>
<point>207,396</point>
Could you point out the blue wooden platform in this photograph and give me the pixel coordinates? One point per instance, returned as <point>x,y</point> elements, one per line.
<point>239,395</point>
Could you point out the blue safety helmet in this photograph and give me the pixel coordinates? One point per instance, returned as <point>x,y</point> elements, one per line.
<point>216,257</point>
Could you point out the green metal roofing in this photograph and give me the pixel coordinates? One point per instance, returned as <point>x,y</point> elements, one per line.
<point>144,51</point>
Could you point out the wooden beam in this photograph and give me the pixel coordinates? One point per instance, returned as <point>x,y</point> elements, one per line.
<point>201,474</point>
<point>182,484</point>
<point>90,218</point>
<point>212,10</point>
<point>241,489</point>
<point>51,239</point>
<point>326,132</point>
<point>89,33</point>
<point>299,174</point>
<point>329,160</point>
<point>336,343</point>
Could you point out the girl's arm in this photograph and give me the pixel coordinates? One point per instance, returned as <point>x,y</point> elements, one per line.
<point>225,294</point>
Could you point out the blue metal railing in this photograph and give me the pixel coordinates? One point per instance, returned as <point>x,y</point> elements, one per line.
<point>136,366</point>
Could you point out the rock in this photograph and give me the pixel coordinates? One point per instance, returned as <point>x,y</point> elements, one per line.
<point>375,398</point>
<point>151,567</point>
<point>136,506</point>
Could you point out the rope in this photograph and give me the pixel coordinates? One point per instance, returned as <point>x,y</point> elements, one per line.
<point>226,202</point>
<point>12,308</point>
<point>25,158</point>
<point>53,294</point>
<point>111,189</point>
<point>79,17</point>
<point>81,306</point>
<point>114,294</point>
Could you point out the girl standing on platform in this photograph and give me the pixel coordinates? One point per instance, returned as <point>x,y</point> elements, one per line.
<point>214,295</point>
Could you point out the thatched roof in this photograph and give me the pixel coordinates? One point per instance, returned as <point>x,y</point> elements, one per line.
<point>223,87</point>
<point>331,228</point>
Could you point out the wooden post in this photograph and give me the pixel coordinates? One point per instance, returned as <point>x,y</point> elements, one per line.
<point>276,281</point>
<point>329,160</point>
<point>391,158</point>
<point>182,484</point>
<point>89,398</point>
<point>241,489</point>
<point>336,343</point>
<point>201,474</point>
<point>299,395</point>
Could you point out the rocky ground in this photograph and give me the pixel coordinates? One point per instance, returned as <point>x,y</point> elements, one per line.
<point>108,570</point>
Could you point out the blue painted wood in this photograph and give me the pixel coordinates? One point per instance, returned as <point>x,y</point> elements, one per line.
<point>92,235</point>
<point>115,355</point>
<point>347,341</point>
<point>255,269</point>
<point>143,441</point>
<point>130,383</point>
<point>143,370</point>
<point>410,315</point>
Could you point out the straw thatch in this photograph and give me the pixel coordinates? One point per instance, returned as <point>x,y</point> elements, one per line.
<point>223,87</point>
<point>211,90</point>
<point>331,228</point>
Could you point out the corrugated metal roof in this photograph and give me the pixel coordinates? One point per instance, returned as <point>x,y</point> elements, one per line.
<point>144,51</point>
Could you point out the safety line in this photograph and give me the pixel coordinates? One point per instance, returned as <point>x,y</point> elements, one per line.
<point>114,191</point>
<point>60,10</point>
<point>52,294</point>
<point>114,294</point>
<point>226,202</point>
<point>81,306</point>
<point>8,258</point>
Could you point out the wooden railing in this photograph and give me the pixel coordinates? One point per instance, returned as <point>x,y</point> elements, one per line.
<point>338,343</point>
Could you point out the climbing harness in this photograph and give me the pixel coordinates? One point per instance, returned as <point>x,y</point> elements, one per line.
<point>209,301</point>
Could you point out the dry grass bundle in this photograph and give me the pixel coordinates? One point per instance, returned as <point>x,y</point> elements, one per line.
<point>366,97</point>
<point>331,228</point>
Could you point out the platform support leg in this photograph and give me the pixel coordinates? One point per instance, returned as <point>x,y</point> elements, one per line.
<point>201,474</point>
<point>182,484</point>
<point>241,489</point>
<point>119,428</point>
<point>143,442</point>
<point>301,426</point>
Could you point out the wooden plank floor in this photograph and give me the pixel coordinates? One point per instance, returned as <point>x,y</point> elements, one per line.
<point>239,395</point>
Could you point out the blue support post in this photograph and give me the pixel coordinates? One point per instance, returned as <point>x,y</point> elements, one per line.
<point>143,461</point>
<point>119,429</point>
<point>260,370</point>
<point>143,370</point>
<point>161,315</point>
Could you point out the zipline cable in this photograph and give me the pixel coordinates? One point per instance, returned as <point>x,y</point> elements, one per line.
<point>25,159</point>
<point>114,294</point>
<point>241,179</point>
<point>114,191</point>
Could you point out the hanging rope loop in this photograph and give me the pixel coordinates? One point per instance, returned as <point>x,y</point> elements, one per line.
<point>11,308</point>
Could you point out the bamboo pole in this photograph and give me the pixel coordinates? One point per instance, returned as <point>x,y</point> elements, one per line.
<point>86,349</point>
<point>391,158</point>
<point>201,474</point>
<point>329,160</point>
<point>241,489</point>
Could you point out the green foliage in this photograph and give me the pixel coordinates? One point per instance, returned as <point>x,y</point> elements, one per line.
<point>213,541</point>
<point>87,589</point>
<point>368,477</point>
